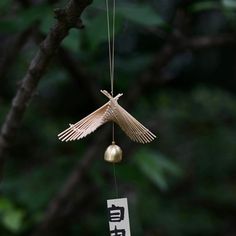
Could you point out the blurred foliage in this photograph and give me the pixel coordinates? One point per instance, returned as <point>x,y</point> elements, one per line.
<point>181,184</point>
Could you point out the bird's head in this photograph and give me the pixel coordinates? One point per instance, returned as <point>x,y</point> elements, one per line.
<point>110,96</point>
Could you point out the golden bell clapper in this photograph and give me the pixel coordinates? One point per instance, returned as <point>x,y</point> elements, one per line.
<point>113,153</point>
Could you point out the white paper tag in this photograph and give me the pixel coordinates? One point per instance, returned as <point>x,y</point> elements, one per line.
<point>118,215</point>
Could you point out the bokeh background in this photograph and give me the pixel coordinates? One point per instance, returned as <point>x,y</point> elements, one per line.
<point>175,64</point>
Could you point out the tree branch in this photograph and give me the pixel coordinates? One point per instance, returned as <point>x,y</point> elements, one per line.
<point>69,17</point>
<point>177,44</point>
<point>202,42</point>
<point>85,80</point>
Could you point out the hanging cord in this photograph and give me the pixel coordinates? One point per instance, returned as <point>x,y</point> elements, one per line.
<point>115,181</point>
<point>111,41</point>
<point>111,51</point>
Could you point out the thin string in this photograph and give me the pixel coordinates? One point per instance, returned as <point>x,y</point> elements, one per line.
<point>115,181</point>
<point>113,46</point>
<point>111,50</point>
<point>109,40</point>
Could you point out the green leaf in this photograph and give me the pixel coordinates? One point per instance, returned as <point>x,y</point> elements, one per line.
<point>26,18</point>
<point>5,205</point>
<point>231,4</point>
<point>156,167</point>
<point>13,220</point>
<point>4,5</point>
<point>140,14</point>
<point>35,13</point>
<point>204,6</point>
<point>11,217</point>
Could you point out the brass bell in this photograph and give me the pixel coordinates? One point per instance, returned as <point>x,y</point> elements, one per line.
<point>113,153</point>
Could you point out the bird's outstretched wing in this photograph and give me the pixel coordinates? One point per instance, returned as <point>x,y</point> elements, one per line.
<point>85,126</point>
<point>133,128</point>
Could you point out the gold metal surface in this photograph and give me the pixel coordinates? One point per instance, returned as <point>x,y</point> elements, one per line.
<point>113,153</point>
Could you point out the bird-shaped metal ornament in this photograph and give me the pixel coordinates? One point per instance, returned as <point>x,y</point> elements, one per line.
<point>111,111</point>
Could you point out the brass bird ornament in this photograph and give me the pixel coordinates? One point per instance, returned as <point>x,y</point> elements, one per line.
<point>110,111</point>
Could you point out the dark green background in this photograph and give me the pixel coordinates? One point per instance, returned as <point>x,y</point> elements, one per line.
<point>184,182</point>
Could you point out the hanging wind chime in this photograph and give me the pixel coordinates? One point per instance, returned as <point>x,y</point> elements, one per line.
<point>111,112</point>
